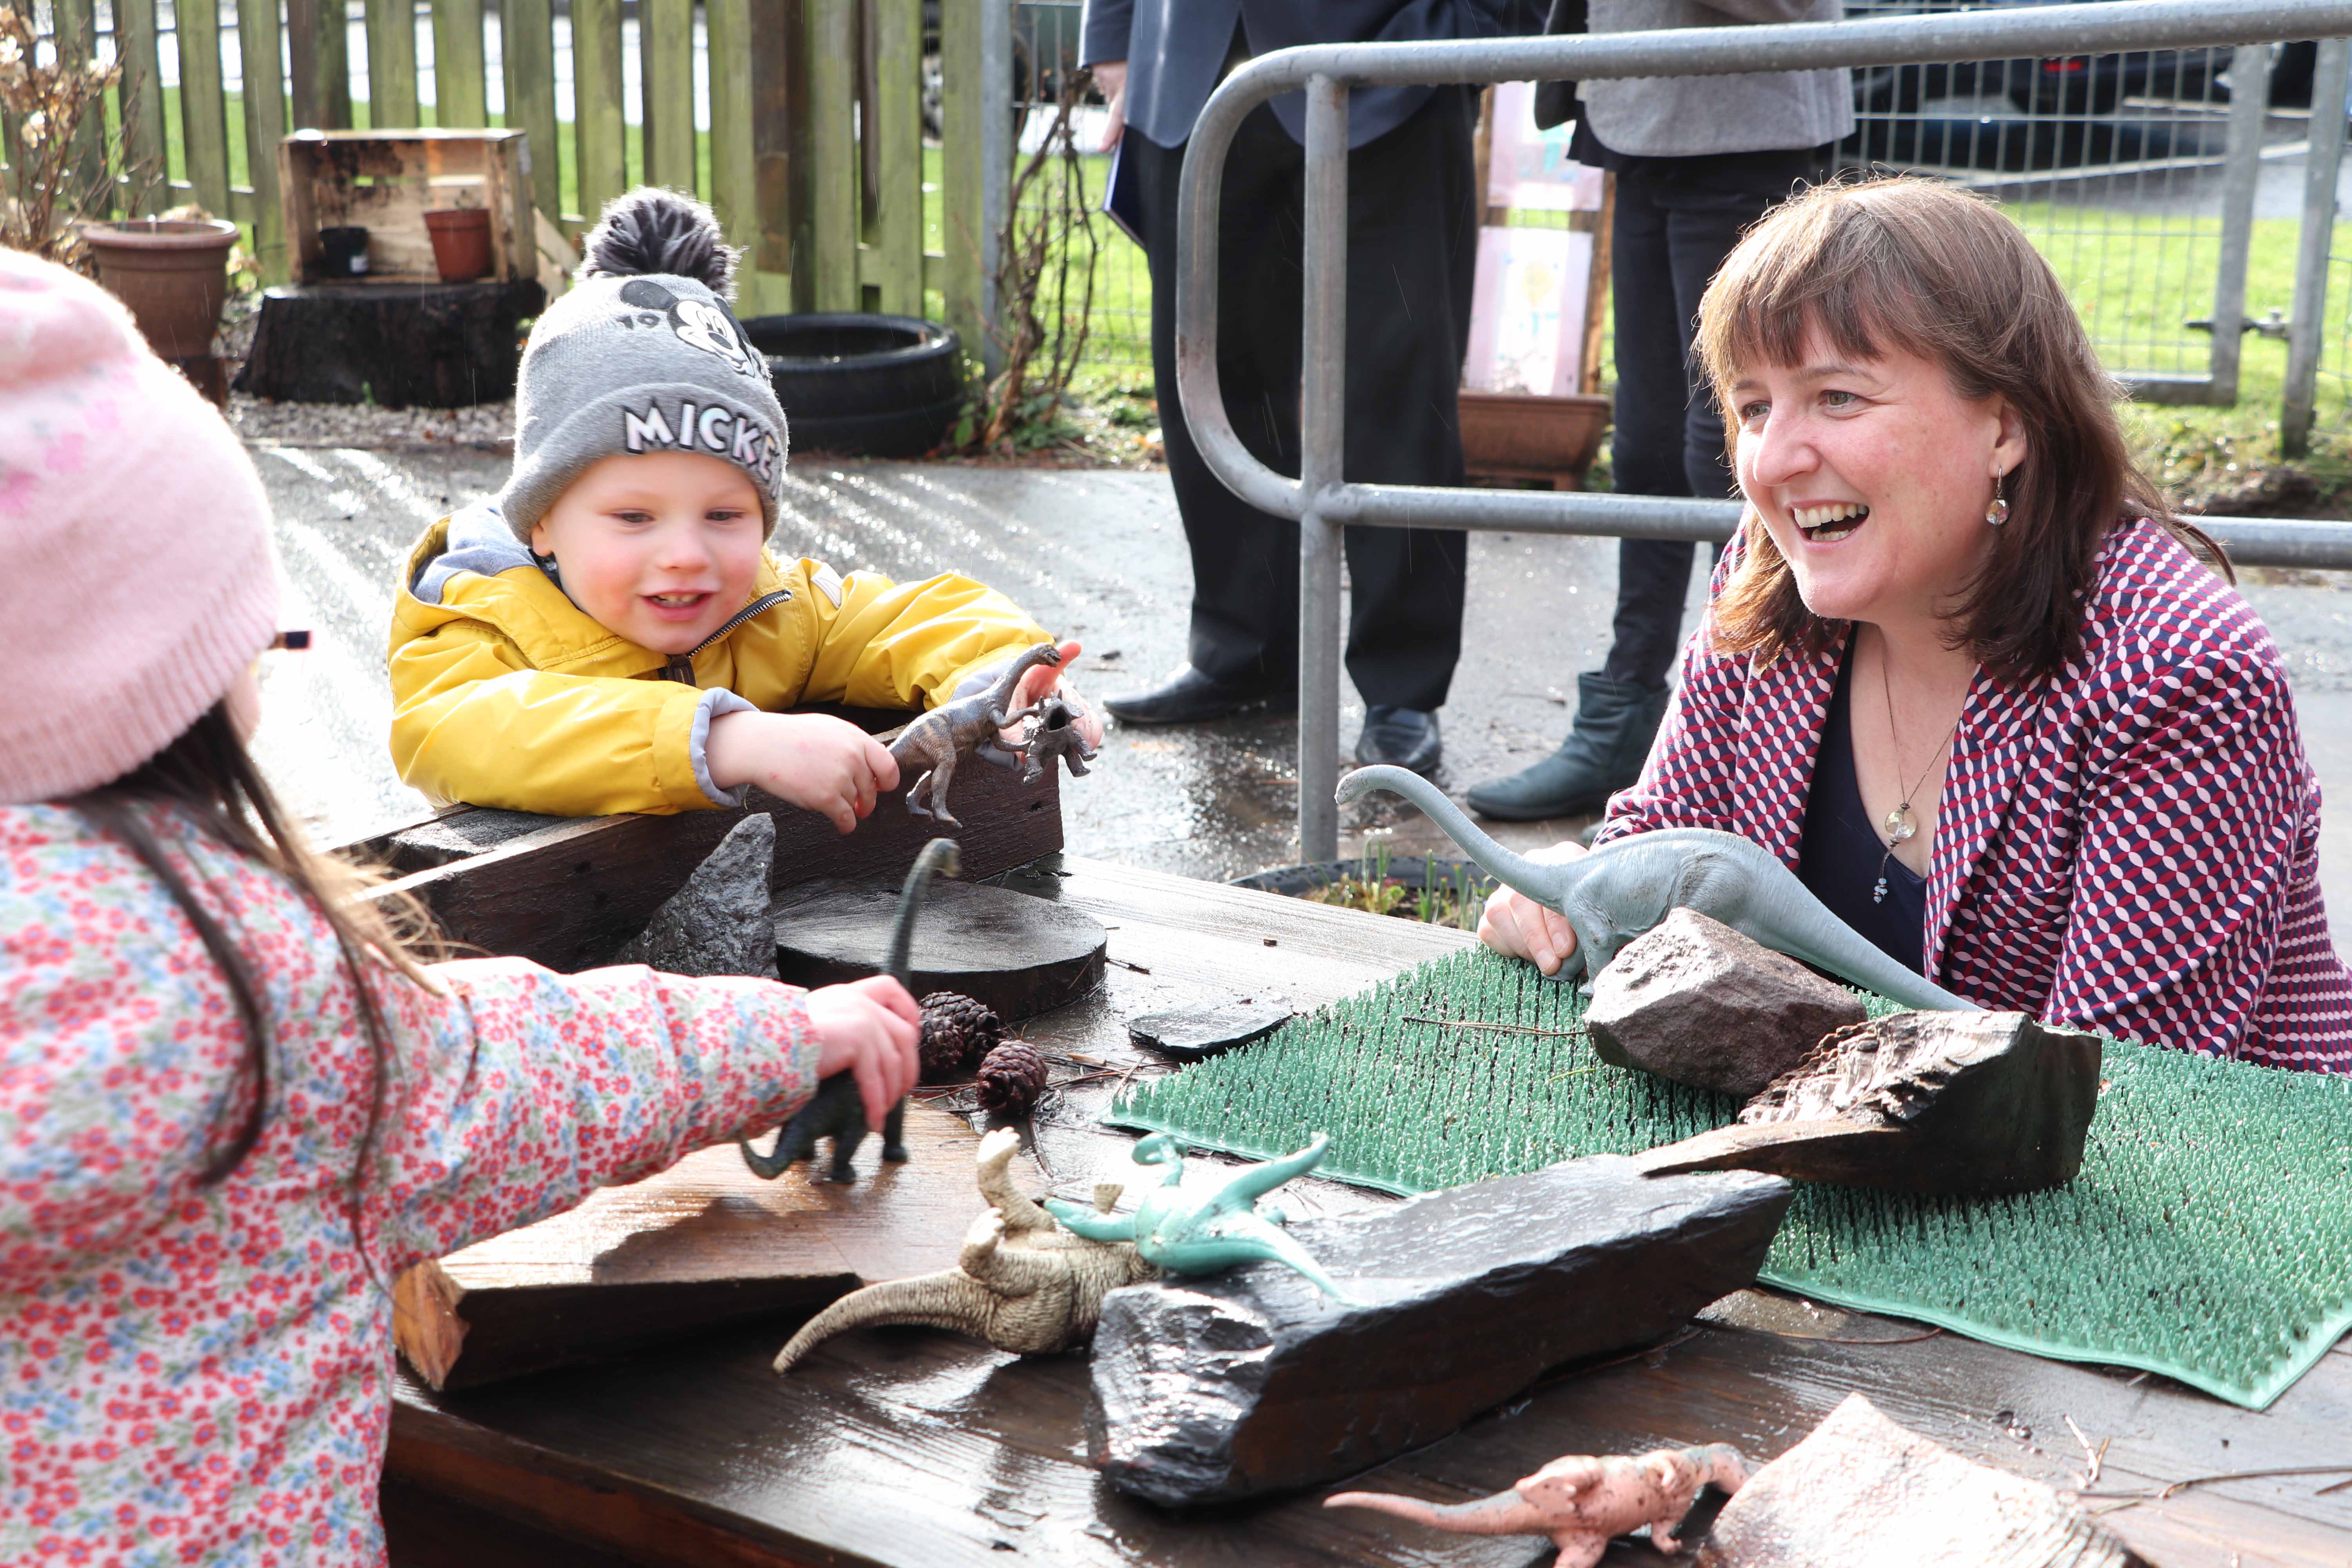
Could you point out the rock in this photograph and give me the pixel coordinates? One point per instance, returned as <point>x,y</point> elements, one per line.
<point>1922,1102</point>
<point>1213,1388</point>
<point>718,923</point>
<point>1189,1034</point>
<point>1694,1001</point>
<point>1863,1492</point>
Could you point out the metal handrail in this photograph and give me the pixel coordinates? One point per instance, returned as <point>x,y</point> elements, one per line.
<point>1321,501</point>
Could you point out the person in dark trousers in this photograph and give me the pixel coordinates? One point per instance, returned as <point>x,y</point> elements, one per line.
<point>1697,159</point>
<point>1412,243</point>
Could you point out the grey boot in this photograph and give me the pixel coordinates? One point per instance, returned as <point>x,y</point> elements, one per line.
<point>1615,721</point>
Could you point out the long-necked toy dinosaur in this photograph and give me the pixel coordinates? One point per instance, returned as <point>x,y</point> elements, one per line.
<point>1622,889</point>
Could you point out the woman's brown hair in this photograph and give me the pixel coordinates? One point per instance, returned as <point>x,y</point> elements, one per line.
<point>1911,265</point>
<point>207,776</point>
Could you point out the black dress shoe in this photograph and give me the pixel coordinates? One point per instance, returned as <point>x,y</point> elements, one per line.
<point>1402,737</point>
<point>1189,697</point>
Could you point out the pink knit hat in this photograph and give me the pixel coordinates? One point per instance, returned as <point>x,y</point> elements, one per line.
<point>136,580</point>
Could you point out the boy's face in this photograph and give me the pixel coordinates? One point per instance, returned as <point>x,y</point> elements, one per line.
<point>659,547</point>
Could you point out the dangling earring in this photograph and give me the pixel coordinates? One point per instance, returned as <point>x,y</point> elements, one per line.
<point>1998,513</point>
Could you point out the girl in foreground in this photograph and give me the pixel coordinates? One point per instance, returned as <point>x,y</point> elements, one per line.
<point>1960,669</point>
<point>232,1105</point>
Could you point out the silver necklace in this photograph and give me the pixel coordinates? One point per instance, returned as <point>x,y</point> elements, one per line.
<point>1899,823</point>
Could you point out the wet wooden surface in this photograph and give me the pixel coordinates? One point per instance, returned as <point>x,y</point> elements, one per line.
<point>913,1447</point>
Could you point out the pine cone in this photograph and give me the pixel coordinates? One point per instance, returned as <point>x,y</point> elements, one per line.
<point>1010,1078</point>
<point>957,1032</point>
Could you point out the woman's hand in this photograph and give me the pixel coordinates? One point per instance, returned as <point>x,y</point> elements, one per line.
<point>1041,680</point>
<point>1110,79</point>
<point>826,764</point>
<point>1518,927</point>
<point>868,1027</point>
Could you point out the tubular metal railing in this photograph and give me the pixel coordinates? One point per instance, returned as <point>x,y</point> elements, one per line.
<point>1322,501</point>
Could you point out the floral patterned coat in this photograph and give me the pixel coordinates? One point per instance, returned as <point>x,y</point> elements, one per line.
<point>204,1375</point>
<point>2131,845</point>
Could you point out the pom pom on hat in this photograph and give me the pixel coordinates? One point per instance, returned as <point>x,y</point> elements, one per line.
<point>651,230</point>
<point>135,541</point>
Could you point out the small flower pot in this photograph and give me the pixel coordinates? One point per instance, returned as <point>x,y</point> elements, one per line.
<point>343,252</point>
<point>461,242</point>
<point>172,274</point>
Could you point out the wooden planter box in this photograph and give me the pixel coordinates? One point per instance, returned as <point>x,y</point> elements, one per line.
<point>385,182</point>
<point>1514,436</point>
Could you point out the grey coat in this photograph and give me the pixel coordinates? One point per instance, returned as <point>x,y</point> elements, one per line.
<point>1175,51</point>
<point>1675,117</point>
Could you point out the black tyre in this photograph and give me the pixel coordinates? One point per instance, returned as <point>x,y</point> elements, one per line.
<point>881,386</point>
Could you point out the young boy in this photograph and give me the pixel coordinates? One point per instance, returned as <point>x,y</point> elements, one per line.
<point>611,633</point>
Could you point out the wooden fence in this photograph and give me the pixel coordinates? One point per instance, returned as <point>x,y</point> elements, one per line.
<point>815,136</point>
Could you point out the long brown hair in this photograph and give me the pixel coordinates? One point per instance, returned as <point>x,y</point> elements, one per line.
<point>1909,264</point>
<point>207,776</point>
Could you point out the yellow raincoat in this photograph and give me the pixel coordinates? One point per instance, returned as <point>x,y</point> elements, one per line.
<point>507,694</point>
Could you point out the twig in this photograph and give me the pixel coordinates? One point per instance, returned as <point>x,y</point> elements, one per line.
<point>1850,1340</point>
<point>1498,1028</point>
<point>1125,964</point>
<point>2090,1478</point>
<point>2338,1487</point>
<point>2165,1493</point>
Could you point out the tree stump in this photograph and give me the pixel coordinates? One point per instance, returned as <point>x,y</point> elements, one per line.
<point>1016,955</point>
<point>441,345</point>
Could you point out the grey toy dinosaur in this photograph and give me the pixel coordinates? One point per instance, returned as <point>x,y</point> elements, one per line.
<point>1628,884</point>
<point>1053,733</point>
<point>1021,1282</point>
<point>940,738</point>
<point>836,1111</point>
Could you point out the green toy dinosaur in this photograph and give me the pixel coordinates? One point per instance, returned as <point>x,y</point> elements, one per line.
<point>1201,1232</point>
<point>836,1111</point>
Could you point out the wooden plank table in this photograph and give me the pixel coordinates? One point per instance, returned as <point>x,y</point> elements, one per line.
<point>916,1448</point>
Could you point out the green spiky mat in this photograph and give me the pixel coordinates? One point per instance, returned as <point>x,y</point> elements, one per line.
<point>2209,1236</point>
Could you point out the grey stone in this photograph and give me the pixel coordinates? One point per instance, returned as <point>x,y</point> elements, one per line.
<point>1253,1381</point>
<point>1700,1003</point>
<point>718,923</point>
<point>1189,1034</point>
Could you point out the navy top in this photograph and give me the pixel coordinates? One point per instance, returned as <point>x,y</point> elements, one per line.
<point>1842,853</point>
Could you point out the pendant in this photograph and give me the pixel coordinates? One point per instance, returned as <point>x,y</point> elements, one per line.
<point>1898,824</point>
<point>1878,894</point>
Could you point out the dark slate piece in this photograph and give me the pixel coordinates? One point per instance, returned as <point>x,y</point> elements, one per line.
<point>718,923</point>
<point>1189,1034</point>
<point>1210,1389</point>
<point>1700,1003</point>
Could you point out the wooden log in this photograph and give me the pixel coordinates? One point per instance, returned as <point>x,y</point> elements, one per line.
<point>438,346</point>
<point>567,894</point>
<point>1018,955</point>
<point>704,1243</point>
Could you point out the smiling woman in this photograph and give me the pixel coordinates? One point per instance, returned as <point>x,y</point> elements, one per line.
<point>1963,671</point>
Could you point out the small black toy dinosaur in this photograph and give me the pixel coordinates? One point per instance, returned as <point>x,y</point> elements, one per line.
<point>836,1111</point>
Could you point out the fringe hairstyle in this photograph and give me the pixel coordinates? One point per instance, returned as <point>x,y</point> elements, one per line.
<point>207,775</point>
<point>1912,265</point>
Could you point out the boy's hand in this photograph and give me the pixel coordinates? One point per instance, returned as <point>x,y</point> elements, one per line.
<point>1518,927</point>
<point>1040,678</point>
<point>813,760</point>
<point>868,1027</point>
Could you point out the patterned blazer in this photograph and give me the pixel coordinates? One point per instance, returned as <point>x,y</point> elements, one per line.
<point>2129,846</point>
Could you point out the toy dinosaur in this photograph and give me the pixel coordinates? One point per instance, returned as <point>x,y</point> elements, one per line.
<point>1622,889</point>
<point>1581,1501</point>
<point>1053,733</point>
<point>1188,1234</point>
<point>1021,1282</point>
<point>836,1111</point>
<point>940,738</point>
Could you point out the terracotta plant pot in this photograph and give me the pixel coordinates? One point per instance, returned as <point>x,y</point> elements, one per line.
<point>173,275</point>
<point>461,242</point>
<point>1514,436</point>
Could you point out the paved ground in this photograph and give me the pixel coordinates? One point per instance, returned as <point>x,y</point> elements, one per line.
<point>1098,556</point>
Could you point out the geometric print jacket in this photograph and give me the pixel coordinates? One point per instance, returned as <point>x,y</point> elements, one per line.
<point>204,1375</point>
<point>2130,845</point>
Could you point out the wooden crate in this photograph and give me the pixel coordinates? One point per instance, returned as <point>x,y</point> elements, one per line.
<point>385,181</point>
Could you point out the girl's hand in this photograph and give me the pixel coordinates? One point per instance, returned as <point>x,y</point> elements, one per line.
<point>826,764</point>
<point>1043,678</point>
<point>1518,927</point>
<point>868,1027</point>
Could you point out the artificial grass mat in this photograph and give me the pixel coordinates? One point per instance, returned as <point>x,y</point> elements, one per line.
<point>2208,1237</point>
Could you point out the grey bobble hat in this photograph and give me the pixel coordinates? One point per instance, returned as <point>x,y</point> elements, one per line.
<point>643,355</point>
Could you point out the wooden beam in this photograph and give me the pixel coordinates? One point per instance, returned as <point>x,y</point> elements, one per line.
<point>460,79</point>
<point>966,243</point>
<point>392,64</point>
<point>264,127</point>
<point>597,88</point>
<point>734,171</point>
<point>832,252</point>
<point>142,97</point>
<point>897,129</point>
<point>526,45</point>
<point>776,85</point>
<point>666,70</point>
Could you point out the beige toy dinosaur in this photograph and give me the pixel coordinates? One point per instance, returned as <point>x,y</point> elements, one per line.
<point>1023,1283</point>
<point>1581,1500</point>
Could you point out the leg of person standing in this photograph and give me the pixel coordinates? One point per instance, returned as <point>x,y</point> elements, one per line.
<point>1674,227</point>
